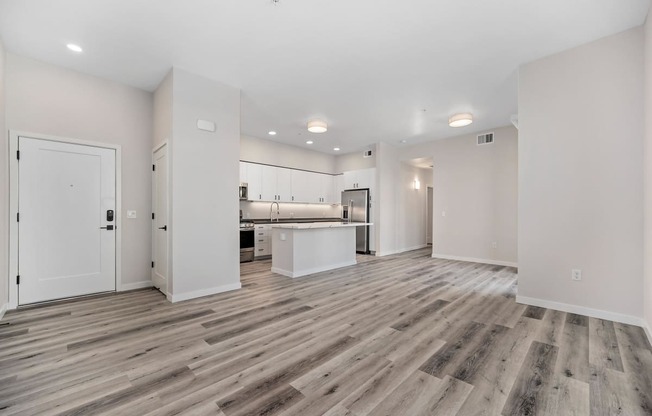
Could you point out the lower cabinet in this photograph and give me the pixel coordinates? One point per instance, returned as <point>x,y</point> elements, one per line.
<point>263,240</point>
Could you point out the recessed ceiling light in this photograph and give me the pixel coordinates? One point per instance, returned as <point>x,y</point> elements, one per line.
<point>317,126</point>
<point>460,120</point>
<point>403,141</point>
<point>74,48</point>
<point>272,133</point>
<point>309,142</point>
<point>337,149</point>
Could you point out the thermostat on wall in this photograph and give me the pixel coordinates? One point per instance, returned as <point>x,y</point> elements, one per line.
<point>206,125</point>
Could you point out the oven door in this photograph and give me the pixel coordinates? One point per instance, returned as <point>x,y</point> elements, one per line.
<point>247,245</point>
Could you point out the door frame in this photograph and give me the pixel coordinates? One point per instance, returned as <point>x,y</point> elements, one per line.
<point>430,220</point>
<point>13,205</point>
<point>168,288</point>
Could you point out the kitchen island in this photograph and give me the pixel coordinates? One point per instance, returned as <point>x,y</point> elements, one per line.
<point>303,249</point>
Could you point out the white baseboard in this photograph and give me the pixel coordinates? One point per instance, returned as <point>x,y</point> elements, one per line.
<point>474,260</point>
<point>313,270</point>
<point>3,309</point>
<point>581,310</point>
<point>648,331</point>
<point>204,292</point>
<point>137,285</point>
<point>402,250</point>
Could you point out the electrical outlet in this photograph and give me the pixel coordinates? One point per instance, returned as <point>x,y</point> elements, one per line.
<point>576,274</point>
<point>443,213</point>
<point>131,214</point>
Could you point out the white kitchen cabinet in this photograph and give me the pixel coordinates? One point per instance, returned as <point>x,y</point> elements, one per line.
<point>254,179</point>
<point>358,179</point>
<point>338,187</point>
<point>263,240</point>
<point>284,184</point>
<point>301,191</point>
<point>327,187</point>
<point>269,183</point>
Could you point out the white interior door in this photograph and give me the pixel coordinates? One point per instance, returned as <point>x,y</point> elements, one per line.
<point>160,222</point>
<point>66,238</point>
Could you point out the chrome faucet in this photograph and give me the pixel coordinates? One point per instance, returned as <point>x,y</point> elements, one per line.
<point>278,211</point>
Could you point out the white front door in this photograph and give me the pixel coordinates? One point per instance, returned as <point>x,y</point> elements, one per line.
<point>160,220</point>
<point>67,195</point>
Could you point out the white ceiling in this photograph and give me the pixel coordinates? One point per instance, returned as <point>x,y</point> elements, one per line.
<point>368,67</point>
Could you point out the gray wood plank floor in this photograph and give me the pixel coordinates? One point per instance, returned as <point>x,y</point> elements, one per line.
<point>399,335</point>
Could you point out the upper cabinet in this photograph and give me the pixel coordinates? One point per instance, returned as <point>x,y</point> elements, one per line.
<point>357,179</point>
<point>252,175</point>
<point>271,183</point>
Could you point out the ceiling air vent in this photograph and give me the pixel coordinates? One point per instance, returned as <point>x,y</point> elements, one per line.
<point>487,138</point>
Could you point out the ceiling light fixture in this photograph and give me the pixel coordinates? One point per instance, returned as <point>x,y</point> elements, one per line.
<point>460,120</point>
<point>74,48</point>
<point>337,149</point>
<point>272,133</point>
<point>309,142</point>
<point>317,126</point>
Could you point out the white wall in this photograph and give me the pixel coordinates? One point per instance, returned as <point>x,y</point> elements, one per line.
<point>355,160</point>
<point>162,111</point>
<point>43,98</point>
<point>648,178</point>
<point>205,178</point>
<point>273,153</point>
<point>477,187</point>
<point>581,177</point>
<point>4,195</point>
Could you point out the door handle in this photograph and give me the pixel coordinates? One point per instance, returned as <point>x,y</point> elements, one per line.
<point>164,228</point>
<point>108,228</point>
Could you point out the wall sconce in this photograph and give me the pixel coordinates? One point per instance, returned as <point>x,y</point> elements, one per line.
<point>417,185</point>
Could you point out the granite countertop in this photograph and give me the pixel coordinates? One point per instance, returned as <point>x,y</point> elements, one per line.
<point>316,225</point>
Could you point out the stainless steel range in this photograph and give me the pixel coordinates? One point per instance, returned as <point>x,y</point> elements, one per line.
<point>247,241</point>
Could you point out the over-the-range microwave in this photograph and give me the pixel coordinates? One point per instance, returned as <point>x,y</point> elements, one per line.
<point>244,191</point>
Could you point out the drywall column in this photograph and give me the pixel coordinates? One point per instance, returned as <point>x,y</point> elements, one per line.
<point>387,168</point>
<point>581,179</point>
<point>4,192</point>
<point>204,184</point>
<point>648,179</point>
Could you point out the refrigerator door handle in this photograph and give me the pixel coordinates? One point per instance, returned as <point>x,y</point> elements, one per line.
<point>350,209</point>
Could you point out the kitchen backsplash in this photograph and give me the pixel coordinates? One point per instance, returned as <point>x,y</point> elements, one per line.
<point>258,210</point>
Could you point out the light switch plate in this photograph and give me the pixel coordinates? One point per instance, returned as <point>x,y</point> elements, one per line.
<point>131,213</point>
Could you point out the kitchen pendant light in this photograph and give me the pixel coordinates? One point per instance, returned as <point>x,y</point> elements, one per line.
<point>460,120</point>
<point>317,126</point>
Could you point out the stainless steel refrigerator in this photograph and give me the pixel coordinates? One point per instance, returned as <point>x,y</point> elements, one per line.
<point>355,208</point>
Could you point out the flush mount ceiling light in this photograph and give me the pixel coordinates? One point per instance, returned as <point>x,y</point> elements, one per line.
<point>272,133</point>
<point>317,126</point>
<point>337,149</point>
<point>74,48</point>
<point>460,120</point>
<point>309,142</point>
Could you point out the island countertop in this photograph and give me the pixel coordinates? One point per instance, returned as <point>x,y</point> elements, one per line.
<point>315,225</point>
